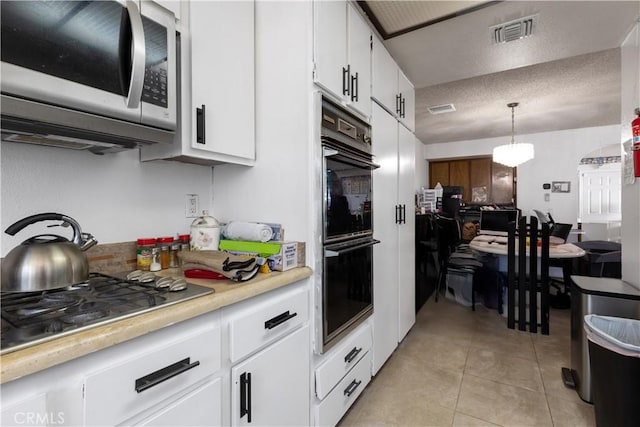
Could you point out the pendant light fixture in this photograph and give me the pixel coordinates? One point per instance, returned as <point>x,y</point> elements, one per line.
<point>513,154</point>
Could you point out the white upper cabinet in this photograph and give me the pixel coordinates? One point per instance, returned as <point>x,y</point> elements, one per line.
<point>390,87</point>
<point>217,86</point>
<point>407,99</point>
<point>342,54</point>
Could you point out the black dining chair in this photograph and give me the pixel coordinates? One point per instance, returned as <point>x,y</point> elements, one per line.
<point>531,284</point>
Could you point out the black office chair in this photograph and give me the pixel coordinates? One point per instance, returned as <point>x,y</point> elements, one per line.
<point>452,255</point>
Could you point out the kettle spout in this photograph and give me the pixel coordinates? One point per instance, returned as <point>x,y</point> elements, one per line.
<point>87,241</point>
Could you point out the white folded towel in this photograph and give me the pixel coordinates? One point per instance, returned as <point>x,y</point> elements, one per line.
<point>251,231</point>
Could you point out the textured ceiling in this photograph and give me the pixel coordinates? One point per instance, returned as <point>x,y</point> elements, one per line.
<point>565,76</point>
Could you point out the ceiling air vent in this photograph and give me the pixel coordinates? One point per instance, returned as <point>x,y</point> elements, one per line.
<point>441,109</point>
<point>513,30</point>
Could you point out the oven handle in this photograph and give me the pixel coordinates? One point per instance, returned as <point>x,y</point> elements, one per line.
<point>349,159</point>
<point>328,253</point>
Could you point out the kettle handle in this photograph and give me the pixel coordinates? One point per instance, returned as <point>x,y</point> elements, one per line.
<point>49,216</point>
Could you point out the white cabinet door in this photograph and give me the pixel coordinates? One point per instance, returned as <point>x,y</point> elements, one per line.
<point>330,46</point>
<point>406,232</point>
<point>384,139</point>
<point>384,85</point>
<point>360,62</point>
<point>222,77</point>
<point>272,387</point>
<point>407,94</point>
<point>217,90</point>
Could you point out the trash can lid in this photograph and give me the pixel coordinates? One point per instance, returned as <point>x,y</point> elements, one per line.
<point>617,334</point>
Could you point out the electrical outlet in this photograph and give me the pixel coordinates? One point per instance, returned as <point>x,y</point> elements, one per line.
<point>191,205</point>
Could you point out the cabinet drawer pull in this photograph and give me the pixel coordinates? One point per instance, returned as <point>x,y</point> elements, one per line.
<point>352,354</point>
<point>402,109</point>
<point>354,88</point>
<point>273,322</point>
<point>352,387</point>
<point>161,375</point>
<point>346,73</point>
<point>398,105</point>
<point>200,125</point>
<point>245,395</point>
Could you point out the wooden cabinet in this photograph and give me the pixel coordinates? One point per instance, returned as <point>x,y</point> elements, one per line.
<point>342,54</point>
<point>394,226</point>
<point>390,87</point>
<point>483,181</point>
<point>217,117</point>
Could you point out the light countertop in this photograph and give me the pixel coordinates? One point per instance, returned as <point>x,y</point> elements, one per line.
<point>42,356</point>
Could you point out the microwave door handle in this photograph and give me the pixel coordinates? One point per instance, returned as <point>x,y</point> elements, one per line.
<point>138,56</point>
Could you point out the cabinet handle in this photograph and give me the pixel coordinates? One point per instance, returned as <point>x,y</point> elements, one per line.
<point>354,88</point>
<point>352,387</point>
<point>161,375</point>
<point>397,214</point>
<point>346,73</point>
<point>402,104</point>
<point>200,116</point>
<point>404,214</point>
<point>352,354</point>
<point>398,106</point>
<point>275,321</point>
<point>245,395</point>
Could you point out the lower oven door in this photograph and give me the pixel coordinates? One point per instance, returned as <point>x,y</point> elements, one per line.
<point>347,288</point>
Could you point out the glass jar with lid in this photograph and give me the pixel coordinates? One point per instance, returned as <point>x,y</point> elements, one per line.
<point>205,233</point>
<point>143,253</point>
<point>164,243</point>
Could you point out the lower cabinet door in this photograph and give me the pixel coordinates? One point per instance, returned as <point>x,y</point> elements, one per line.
<point>272,387</point>
<point>201,407</point>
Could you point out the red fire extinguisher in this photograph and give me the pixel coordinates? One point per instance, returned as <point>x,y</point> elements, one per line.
<point>635,131</point>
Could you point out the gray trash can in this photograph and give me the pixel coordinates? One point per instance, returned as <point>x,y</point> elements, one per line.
<point>614,351</point>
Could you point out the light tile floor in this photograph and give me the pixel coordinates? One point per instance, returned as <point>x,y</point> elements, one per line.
<point>457,367</point>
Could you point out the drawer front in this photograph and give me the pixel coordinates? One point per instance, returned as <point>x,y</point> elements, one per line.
<point>342,360</point>
<point>331,409</point>
<point>120,392</point>
<point>257,325</point>
<point>202,407</point>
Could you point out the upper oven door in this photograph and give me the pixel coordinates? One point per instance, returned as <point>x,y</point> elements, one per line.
<point>347,209</point>
<point>88,56</point>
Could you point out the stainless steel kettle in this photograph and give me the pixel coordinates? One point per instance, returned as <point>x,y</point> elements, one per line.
<point>46,261</point>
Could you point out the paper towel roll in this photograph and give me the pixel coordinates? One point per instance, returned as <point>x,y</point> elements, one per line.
<point>250,231</point>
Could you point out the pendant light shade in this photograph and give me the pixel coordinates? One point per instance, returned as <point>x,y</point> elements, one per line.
<point>513,154</point>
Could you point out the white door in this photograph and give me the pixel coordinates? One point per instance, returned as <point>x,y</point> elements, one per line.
<point>600,195</point>
<point>406,233</point>
<point>360,61</point>
<point>330,45</point>
<point>222,77</point>
<point>276,384</point>
<point>384,77</point>
<point>408,110</point>
<point>384,135</point>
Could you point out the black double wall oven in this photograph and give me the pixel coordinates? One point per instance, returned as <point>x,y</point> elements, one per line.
<point>347,288</point>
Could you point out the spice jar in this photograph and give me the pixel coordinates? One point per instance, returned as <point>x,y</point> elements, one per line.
<point>184,242</point>
<point>164,243</point>
<point>173,254</point>
<point>143,253</point>
<point>205,233</point>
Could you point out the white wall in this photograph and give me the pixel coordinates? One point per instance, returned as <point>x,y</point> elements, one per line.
<point>557,155</point>
<point>630,193</point>
<point>421,177</point>
<point>114,197</point>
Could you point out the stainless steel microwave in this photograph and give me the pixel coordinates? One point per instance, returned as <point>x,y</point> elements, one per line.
<point>100,75</point>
